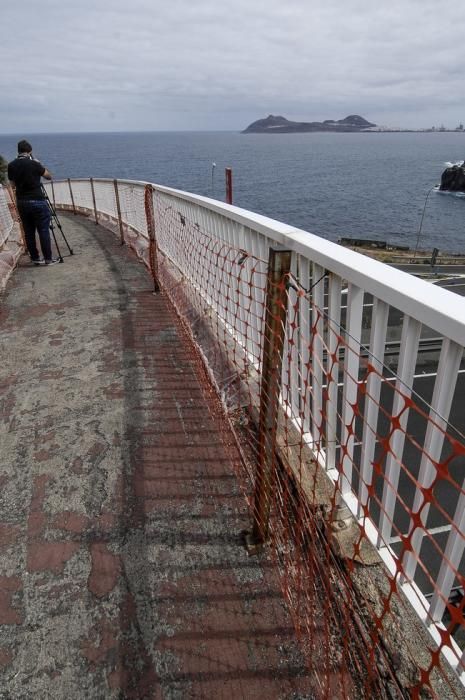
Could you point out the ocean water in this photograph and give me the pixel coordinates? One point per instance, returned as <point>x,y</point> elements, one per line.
<point>371,185</point>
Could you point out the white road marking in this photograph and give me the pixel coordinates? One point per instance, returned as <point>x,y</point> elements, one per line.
<point>452,286</point>
<point>429,531</point>
<point>393,379</point>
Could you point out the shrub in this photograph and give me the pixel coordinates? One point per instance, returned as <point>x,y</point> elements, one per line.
<point>3,171</point>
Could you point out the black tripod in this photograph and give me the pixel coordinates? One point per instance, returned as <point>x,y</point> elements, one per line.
<point>54,220</point>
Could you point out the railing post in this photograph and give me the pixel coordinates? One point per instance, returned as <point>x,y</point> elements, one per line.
<point>118,209</point>
<point>93,200</point>
<point>72,198</point>
<point>150,216</point>
<point>274,332</point>
<point>53,194</point>
<point>229,195</point>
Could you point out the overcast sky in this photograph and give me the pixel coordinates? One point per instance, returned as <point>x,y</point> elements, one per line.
<point>208,64</point>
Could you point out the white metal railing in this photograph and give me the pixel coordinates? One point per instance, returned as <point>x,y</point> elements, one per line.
<point>11,238</point>
<point>6,219</point>
<point>354,286</point>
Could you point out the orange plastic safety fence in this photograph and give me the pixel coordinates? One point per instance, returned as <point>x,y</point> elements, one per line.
<point>362,482</point>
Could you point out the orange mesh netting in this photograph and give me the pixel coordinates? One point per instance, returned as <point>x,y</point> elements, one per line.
<point>341,628</point>
<point>356,483</point>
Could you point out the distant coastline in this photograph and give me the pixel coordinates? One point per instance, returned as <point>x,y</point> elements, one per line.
<point>354,123</point>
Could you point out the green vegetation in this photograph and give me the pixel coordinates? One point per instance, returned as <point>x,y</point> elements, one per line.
<point>3,171</point>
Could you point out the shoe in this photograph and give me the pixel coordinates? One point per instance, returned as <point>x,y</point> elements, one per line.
<point>38,262</point>
<point>53,261</point>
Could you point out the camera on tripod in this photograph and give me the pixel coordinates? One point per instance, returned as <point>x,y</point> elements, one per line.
<point>54,218</point>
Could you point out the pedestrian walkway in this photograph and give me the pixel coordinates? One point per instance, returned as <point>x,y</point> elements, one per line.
<point>122,573</point>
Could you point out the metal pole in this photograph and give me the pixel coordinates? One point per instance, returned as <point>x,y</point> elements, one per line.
<point>213,178</point>
<point>229,194</point>
<point>421,221</point>
<point>53,194</point>
<point>150,216</point>
<point>118,209</point>
<point>72,198</point>
<point>279,266</point>
<point>93,200</point>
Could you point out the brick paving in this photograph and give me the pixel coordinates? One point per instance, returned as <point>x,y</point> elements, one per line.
<point>122,573</point>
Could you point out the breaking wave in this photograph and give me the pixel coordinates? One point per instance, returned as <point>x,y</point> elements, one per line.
<point>449,193</point>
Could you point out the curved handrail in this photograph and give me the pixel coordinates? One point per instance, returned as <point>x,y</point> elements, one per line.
<point>443,310</point>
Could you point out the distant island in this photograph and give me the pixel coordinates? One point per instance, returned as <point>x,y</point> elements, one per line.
<point>353,123</point>
<point>281,125</point>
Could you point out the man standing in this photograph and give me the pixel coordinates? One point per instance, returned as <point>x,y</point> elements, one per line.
<point>24,173</point>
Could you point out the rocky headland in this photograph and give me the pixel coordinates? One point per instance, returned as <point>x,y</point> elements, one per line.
<point>453,179</point>
<point>280,125</point>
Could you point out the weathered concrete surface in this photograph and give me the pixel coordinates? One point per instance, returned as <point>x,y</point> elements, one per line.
<point>121,572</point>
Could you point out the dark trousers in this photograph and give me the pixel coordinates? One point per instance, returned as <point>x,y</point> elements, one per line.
<point>35,215</point>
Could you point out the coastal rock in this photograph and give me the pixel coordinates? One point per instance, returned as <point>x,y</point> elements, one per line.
<point>453,179</point>
<point>280,125</point>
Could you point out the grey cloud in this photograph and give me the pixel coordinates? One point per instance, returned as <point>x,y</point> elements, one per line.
<point>216,65</point>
